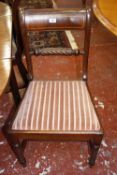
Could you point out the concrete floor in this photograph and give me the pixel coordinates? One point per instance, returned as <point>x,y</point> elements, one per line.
<point>71,158</point>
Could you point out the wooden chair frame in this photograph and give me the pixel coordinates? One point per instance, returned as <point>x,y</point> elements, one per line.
<point>18,139</point>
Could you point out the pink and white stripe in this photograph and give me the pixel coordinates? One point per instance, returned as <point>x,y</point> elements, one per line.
<point>57,106</point>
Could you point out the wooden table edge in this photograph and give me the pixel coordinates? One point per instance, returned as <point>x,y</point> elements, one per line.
<point>8,79</point>
<point>103,19</point>
<point>6,12</point>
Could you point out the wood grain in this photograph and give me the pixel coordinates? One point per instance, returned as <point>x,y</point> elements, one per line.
<point>5,68</point>
<point>4,9</point>
<point>5,36</point>
<point>106,12</point>
<point>5,45</point>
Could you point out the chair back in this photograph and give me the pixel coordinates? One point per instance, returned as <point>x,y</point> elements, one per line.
<point>55,19</point>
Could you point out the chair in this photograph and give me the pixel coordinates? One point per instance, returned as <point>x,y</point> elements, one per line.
<point>55,110</point>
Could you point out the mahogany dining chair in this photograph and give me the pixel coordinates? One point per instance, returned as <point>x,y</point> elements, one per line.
<point>55,110</point>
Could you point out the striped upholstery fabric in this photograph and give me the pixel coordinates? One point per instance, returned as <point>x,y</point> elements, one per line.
<point>55,106</point>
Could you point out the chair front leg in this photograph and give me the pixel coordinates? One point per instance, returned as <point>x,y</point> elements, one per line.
<point>17,148</point>
<point>94,148</point>
<point>23,144</point>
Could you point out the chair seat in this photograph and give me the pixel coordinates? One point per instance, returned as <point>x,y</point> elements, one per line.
<point>57,106</point>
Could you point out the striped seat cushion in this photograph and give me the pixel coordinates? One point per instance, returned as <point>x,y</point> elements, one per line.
<point>57,106</point>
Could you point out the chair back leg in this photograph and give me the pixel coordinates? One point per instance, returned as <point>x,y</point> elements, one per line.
<point>14,88</point>
<point>84,2</point>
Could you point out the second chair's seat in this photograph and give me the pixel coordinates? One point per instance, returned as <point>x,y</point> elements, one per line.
<point>57,106</point>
